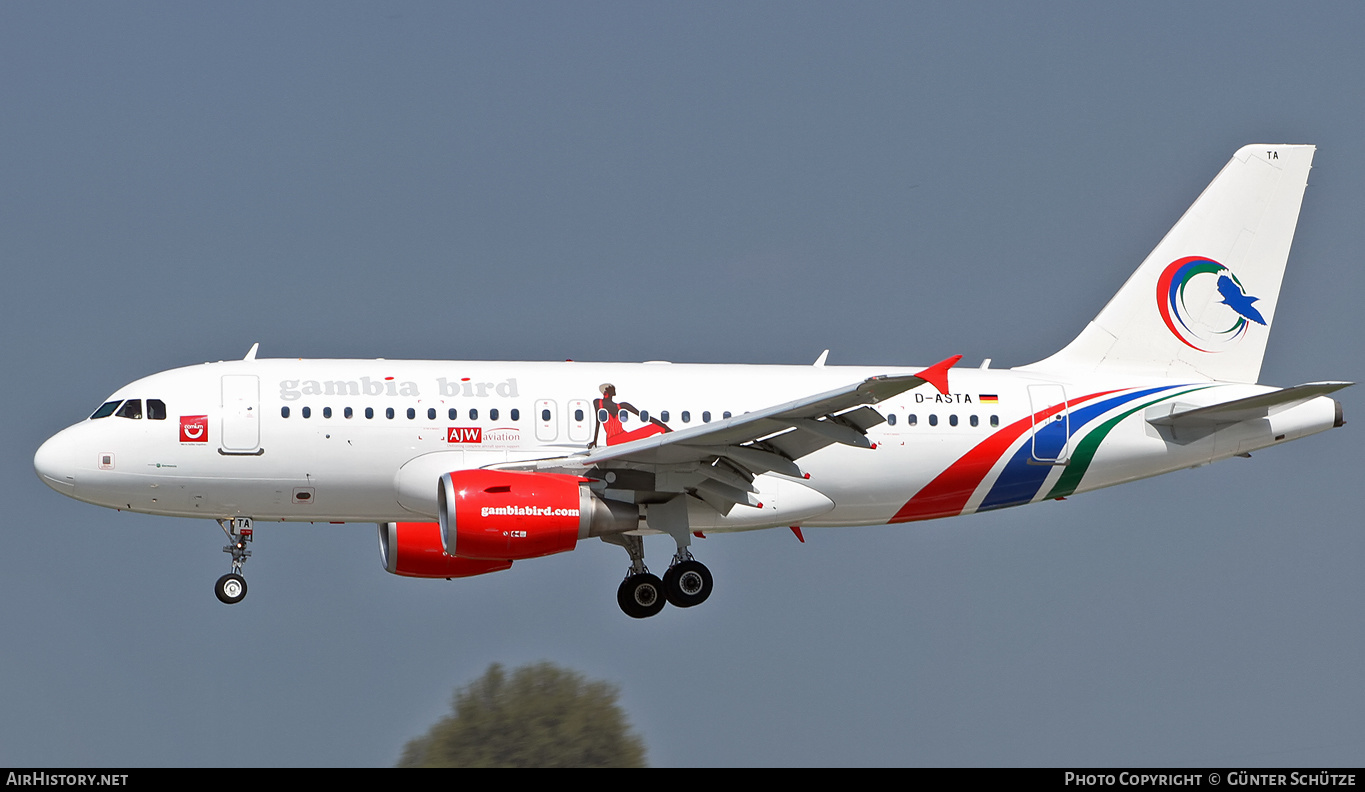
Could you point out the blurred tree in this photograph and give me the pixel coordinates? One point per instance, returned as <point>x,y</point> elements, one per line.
<point>539,716</point>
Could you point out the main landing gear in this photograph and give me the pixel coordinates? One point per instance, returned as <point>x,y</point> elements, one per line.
<point>231,588</point>
<point>642,594</point>
<point>687,582</point>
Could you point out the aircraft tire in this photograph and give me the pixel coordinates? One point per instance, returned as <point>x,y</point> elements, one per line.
<point>687,583</point>
<point>641,596</point>
<point>230,588</point>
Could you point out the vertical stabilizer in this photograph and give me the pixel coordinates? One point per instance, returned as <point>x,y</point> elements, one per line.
<point>1202,303</point>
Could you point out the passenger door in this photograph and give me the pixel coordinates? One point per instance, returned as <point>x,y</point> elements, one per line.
<point>241,430</point>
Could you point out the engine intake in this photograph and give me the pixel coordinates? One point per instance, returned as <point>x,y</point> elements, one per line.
<point>500,514</point>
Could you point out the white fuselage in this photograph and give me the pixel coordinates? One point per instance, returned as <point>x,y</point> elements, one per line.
<point>366,440</point>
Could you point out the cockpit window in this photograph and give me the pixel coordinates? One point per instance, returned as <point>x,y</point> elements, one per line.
<point>156,410</point>
<point>106,409</point>
<point>130,409</point>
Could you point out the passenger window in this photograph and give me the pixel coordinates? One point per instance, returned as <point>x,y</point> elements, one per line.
<point>578,415</point>
<point>284,412</point>
<point>516,414</point>
<point>156,410</point>
<point>933,420</point>
<point>911,419</point>
<point>995,420</point>
<point>473,415</point>
<point>326,412</point>
<point>106,409</point>
<point>706,416</point>
<point>687,416</point>
<point>602,416</point>
<point>493,414</point>
<point>388,413</point>
<point>974,420</point>
<point>431,413</point>
<point>369,412</point>
<point>952,420</point>
<point>623,416</point>
<point>644,416</point>
<point>412,414</point>
<point>130,409</point>
<point>891,419</point>
<point>545,415</point>
<point>348,413</point>
<point>663,416</point>
<point>725,414</point>
<point>451,414</point>
<point>307,412</point>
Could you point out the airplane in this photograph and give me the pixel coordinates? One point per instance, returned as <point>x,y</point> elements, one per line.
<point>469,466</point>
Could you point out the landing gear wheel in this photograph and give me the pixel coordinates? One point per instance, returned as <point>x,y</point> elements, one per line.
<point>687,583</point>
<point>641,596</point>
<point>230,588</point>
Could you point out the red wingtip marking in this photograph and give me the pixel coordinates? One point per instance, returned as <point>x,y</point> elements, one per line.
<point>699,534</point>
<point>937,374</point>
<point>796,529</point>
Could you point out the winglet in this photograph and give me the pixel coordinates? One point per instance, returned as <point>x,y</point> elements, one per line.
<point>937,374</point>
<point>796,529</point>
<point>251,353</point>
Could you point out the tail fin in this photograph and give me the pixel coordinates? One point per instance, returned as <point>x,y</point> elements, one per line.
<point>1202,303</point>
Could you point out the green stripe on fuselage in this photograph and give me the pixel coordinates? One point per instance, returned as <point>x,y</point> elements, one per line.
<point>1085,451</point>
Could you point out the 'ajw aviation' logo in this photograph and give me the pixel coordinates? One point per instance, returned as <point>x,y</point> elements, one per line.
<point>464,434</point>
<point>1204,304</point>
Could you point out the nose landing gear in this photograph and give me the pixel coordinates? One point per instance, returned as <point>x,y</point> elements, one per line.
<point>231,588</point>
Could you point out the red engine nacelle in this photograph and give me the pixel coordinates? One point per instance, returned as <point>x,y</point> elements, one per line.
<point>414,549</point>
<point>499,514</point>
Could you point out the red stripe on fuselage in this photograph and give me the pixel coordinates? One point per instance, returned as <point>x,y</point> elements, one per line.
<point>948,493</point>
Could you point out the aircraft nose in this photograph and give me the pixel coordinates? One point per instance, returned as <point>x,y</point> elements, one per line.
<point>55,463</point>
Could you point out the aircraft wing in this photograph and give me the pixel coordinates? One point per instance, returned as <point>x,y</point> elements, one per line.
<point>719,460</point>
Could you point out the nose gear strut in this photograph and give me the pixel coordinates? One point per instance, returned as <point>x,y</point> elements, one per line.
<point>231,588</point>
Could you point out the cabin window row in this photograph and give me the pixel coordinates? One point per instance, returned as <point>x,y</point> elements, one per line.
<point>912,419</point>
<point>664,416</point>
<point>494,414</point>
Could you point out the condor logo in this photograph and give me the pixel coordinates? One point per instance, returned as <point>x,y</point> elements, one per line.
<point>464,434</point>
<point>194,428</point>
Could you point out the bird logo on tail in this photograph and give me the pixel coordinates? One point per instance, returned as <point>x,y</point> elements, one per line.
<point>1189,304</point>
<point>1238,300</point>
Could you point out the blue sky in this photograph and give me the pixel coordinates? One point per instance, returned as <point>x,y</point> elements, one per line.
<point>710,182</point>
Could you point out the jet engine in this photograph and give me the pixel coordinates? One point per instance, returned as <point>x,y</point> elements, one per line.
<point>414,549</point>
<point>501,514</point>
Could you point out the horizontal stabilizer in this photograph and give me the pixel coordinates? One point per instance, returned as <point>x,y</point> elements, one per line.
<point>1238,410</point>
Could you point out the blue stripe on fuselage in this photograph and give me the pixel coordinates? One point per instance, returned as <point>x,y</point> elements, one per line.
<point>1020,482</point>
